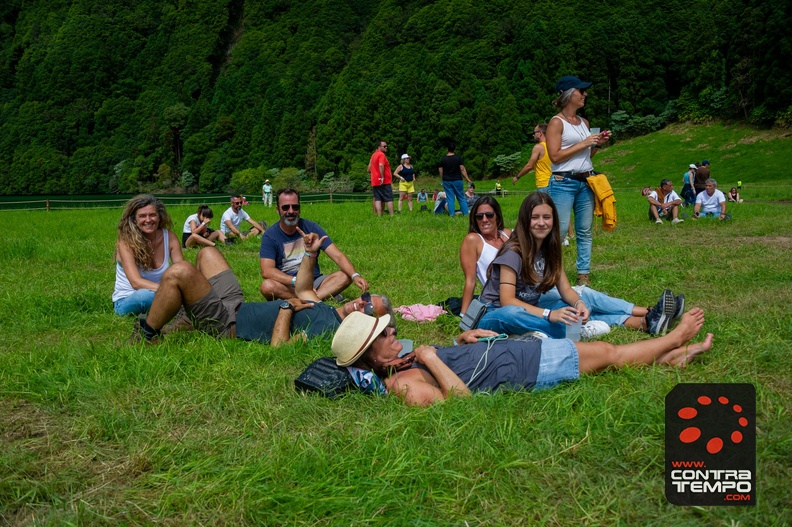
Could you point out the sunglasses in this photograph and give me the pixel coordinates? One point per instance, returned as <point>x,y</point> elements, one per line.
<point>236,203</point>
<point>489,215</point>
<point>368,309</point>
<point>295,208</point>
<point>384,332</point>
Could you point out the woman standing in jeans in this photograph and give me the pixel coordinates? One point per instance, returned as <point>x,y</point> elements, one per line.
<point>570,146</point>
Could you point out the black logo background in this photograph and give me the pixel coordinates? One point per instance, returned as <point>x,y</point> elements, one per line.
<point>713,420</point>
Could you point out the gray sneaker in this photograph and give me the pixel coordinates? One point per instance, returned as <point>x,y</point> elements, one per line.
<point>659,317</point>
<point>680,309</point>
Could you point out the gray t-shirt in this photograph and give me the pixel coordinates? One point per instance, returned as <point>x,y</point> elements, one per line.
<point>510,364</point>
<point>525,292</point>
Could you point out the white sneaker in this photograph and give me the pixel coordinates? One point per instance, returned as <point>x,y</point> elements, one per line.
<point>565,242</point>
<point>659,221</point>
<point>676,220</point>
<point>594,328</point>
<point>578,288</point>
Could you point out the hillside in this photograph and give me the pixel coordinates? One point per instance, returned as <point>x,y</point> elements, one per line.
<point>144,95</point>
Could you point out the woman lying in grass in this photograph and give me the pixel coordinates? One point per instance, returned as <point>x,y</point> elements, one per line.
<point>527,289</point>
<point>431,374</point>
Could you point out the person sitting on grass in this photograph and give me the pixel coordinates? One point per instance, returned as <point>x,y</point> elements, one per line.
<point>664,202</point>
<point>144,250</point>
<point>734,196</point>
<point>486,235</point>
<point>528,290</point>
<point>282,251</point>
<point>196,229</point>
<point>234,216</point>
<point>710,202</point>
<point>433,373</point>
<point>213,303</point>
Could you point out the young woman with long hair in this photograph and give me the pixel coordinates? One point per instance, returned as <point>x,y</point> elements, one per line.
<point>144,248</point>
<point>527,288</point>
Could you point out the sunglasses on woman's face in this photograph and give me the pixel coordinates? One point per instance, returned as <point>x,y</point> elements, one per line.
<point>489,215</point>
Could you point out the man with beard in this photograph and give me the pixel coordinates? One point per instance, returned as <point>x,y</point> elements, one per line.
<point>282,250</point>
<point>233,218</point>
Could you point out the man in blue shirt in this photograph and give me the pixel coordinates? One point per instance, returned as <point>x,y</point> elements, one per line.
<point>282,250</point>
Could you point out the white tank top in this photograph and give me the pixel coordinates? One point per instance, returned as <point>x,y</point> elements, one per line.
<point>488,253</point>
<point>122,286</point>
<point>572,135</point>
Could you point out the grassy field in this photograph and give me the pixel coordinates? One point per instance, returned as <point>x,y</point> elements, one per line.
<point>95,431</point>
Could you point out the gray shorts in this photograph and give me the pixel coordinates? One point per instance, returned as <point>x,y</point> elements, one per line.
<point>215,313</point>
<point>383,193</point>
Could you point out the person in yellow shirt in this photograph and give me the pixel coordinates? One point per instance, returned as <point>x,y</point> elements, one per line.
<point>539,160</point>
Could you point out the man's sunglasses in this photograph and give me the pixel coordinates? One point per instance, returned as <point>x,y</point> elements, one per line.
<point>294,207</point>
<point>369,307</point>
<point>236,203</point>
<point>489,215</point>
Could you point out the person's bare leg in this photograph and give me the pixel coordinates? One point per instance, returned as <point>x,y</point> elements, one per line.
<point>377,207</point>
<point>333,284</point>
<point>596,356</point>
<point>273,290</point>
<point>197,239</point>
<point>401,198</point>
<point>682,355</point>
<point>390,208</point>
<point>409,202</point>
<point>182,284</point>
<point>655,214</point>
<point>210,262</point>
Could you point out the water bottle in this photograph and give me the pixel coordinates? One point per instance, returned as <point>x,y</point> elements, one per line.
<point>573,330</point>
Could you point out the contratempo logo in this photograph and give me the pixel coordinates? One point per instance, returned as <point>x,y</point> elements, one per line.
<point>710,441</point>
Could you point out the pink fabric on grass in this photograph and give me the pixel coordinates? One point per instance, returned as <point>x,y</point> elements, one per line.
<point>420,312</point>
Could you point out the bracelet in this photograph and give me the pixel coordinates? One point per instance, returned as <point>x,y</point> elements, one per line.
<point>354,275</point>
<point>294,280</point>
<point>546,314</point>
<point>311,255</point>
<point>576,303</point>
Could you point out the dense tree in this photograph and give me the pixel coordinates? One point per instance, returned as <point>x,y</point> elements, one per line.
<point>132,95</point>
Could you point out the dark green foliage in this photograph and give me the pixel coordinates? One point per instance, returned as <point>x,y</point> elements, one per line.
<point>129,96</point>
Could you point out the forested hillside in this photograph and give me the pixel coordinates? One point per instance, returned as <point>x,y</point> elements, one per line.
<point>121,96</point>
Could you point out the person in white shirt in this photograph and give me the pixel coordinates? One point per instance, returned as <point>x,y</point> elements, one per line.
<point>233,218</point>
<point>711,202</point>
<point>664,202</point>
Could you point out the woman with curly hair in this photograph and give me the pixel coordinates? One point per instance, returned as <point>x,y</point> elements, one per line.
<point>144,250</point>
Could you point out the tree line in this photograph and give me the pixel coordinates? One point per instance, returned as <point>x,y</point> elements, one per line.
<point>216,95</point>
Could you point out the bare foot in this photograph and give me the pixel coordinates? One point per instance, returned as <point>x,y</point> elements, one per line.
<point>690,324</point>
<point>684,354</point>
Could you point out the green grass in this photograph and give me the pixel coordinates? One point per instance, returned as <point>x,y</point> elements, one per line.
<point>196,431</point>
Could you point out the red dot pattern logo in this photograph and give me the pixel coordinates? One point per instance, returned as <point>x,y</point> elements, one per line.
<point>693,433</point>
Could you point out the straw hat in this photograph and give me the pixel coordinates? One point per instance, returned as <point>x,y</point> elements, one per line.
<point>355,335</point>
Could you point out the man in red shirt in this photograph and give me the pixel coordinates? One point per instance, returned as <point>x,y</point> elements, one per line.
<point>380,172</point>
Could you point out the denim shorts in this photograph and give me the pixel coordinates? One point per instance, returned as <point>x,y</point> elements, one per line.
<point>558,363</point>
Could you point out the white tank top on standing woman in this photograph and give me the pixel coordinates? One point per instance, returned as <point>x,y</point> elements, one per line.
<point>572,135</point>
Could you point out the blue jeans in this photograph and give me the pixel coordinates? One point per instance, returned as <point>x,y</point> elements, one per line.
<point>134,304</point>
<point>515,320</point>
<point>455,189</point>
<point>613,311</point>
<point>570,195</point>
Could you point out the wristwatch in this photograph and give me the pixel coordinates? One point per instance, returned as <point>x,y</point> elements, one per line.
<point>546,314</point>
<point>286,305</point>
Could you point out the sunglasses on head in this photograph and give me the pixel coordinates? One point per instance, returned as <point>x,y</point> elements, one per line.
<point>489,215</point>
<point>295,207</point>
